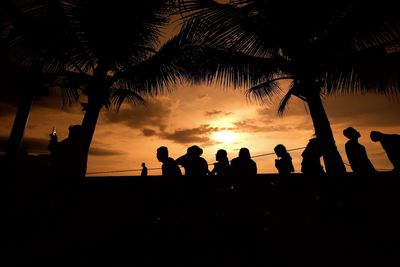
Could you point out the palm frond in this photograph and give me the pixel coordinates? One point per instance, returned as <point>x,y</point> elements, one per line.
<point>152,76</point>
<point>119,95</point>
<point>264,92</point>
<point>71,85</point>
<point>70,95</point>
<point>114,33</point>
<point>225,26</point>
<point>197,63</point>
<point>368,25</point>
<point>371,70</point>
<point>40,31</point>
<point>285,100</point>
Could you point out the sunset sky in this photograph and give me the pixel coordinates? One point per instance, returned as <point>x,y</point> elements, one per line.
<point>206,115</point>
<point>209,116</point>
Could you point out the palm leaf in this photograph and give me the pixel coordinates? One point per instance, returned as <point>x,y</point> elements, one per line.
<point>263,92</point>
<point>371,70</point>
<point>119,95</point>
<point>285,100</point>
<point>231,26</point>
<point>102,27</point>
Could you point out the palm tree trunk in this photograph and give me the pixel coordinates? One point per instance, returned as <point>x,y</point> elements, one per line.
<point>20,122</point>
<point>89,125</point>
<point>332,159</point>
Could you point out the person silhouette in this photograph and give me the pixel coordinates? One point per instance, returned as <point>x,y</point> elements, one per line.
<point>284,162</point>
<point>144,170</point>
<point>243,165</point>
<point>391,145</point>
<point>68,167</point>
<point>311,164</point>
<point>356,153</point>
<point>221,167</point>
<point>193,164</point>
<point>68,155</point>
<point>169,166</point>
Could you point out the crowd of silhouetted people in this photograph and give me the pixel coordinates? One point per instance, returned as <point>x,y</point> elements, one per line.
<point>68,158</point>
<point>243,165</point>
<point>357,155</point>
<point>188,203</point>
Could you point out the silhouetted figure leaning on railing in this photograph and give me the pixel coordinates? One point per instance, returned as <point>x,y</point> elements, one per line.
<point>193,164</point>
<point>311,164</point>
<point>221,167</point>
<point>284,162</point>
<point>68,169</point>
<point>67,156</point>
<point>356,153</point>
<point>143,173</point>
<point>243,165</point>
<point>169,166</point>
<point>391,145</point>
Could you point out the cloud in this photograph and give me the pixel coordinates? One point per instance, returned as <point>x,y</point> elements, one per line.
<point>364,110</point>
<point>269,125</point>
<point>39,146</point>
<point>213,112</point>
<point>249,125</point>
<point>155,113</point>
<point>32,145</point>
<point>95,151</point>
<point>148,132</point>
<point>202,96</point>
<point>189,136</point>
<point>55,101</point>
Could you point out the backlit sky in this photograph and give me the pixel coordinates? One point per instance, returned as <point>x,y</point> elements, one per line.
<point>208,116</point>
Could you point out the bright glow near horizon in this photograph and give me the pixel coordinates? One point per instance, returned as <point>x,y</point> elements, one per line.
<point>224,136</point>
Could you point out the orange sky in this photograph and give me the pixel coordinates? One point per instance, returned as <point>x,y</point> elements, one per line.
<point>197,115</point>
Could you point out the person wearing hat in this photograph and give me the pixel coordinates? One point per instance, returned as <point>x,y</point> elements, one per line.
<point>356,153</point>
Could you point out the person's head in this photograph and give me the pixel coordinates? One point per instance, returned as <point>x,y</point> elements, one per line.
<point>314,142</point>
<point>194,151</point>
<point>75,132</point>
<point>313,148</point>
<point>143,164</point>
<point>280,150</point>
<point>351,133</point>
<point>162,153</point>
<point>244,153</point>
<point>221,155</point>
<point>376,136</point>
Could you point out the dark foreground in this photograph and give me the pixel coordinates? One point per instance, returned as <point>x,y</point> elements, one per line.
<point>265,221</point>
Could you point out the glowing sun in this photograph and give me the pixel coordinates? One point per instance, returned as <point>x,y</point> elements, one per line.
<point>224,137</point>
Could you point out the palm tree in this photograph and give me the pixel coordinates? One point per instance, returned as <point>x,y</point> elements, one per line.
<point>112,54</point>
<point>35,38</point>
<point>120,59</point>
<point>320,48</point>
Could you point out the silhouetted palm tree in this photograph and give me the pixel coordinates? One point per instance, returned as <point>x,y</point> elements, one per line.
<point>121,56</point>
<point>321,48</point>
<point>114,54</point>
<point>34,35</point>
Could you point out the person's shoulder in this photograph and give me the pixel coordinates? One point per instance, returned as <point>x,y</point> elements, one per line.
<point>235,159</point>
<point>393,136</point>
<point>287,156</point>
<point>64,142</point>
<point>170,160</point>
